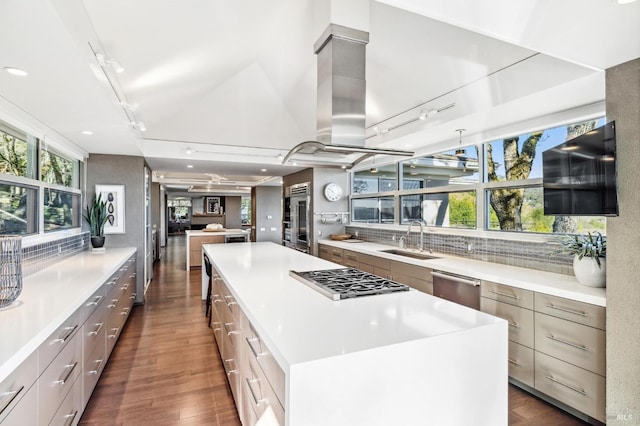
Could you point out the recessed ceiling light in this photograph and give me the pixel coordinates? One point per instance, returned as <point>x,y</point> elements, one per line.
<point>87,132</point>
<point>625,1</point>
<point>263,170</point>
<point>189,166</point>
<point>189,151</point>
<point>16,71</point>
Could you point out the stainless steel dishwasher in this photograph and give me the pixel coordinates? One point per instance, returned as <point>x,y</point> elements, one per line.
<point>457,288</point>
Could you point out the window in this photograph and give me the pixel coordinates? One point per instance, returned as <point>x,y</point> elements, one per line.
<point>373,210</point>
<point>495,186</point>
<point>245,210</point>
<point>18,209</point>
<point>513,176</point>
<point>59,170</point>
<point>61,210</point>
<point>22,188</point>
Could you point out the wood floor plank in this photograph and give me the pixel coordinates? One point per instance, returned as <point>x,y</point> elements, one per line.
<point>165,369</point>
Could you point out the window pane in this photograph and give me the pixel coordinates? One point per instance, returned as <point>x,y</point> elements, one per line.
<point>373,210</point>
<point>450,210</point>
<point>18,210</point>
<point>245,210</point>
<point>59,170</point>
<point>522,210</point>
<point>61,210</point>
<point>520,157</point>
<point>17,152</point>
<point>375,179</point>
<point>446,168</point>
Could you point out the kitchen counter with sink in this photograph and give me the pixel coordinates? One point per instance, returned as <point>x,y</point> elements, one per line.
<point>399,358</point>
<point>529,279</point>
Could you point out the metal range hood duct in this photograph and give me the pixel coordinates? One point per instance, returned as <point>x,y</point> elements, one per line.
<point>341,101</point>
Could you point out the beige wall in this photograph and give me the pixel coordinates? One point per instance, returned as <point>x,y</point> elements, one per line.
<point>623,267</point>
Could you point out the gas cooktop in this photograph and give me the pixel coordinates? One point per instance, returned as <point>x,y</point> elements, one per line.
<point>344,283</point>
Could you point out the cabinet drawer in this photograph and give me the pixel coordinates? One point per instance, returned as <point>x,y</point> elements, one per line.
<point>407,269</point>
<point>379,262</point>
<point>92,369</point>
<point>576,387</point>
<point>583,313</point>
<point>425,286</point>
<point>20,411</point>
<point>350,256</point>
<point>506,293</point>
<point>94,333</point>
<point>59,377</point>
<point>262,398</point>
<point>574,343</point>
<point>273,373</point>
<point>70,410</point>
<point>520,320</point>
<point>92,304</point>
<point>17,384</point>
<point>521,363</point>
<point>56,342</point>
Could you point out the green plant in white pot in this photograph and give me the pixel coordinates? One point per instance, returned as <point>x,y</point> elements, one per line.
<point>589,257</point>
<point>96,217</point>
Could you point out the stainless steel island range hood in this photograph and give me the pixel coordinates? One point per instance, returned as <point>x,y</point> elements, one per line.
<point>341,103</point>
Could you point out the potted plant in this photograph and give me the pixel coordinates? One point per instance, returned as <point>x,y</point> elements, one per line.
<point>589,257</point>
<point>96,217</point>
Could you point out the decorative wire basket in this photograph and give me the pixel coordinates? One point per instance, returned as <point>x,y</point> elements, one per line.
<point>10,269</point>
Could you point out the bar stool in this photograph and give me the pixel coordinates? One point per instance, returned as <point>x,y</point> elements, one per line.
<point>207,268</point>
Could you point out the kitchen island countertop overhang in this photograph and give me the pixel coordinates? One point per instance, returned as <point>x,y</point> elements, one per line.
<point>385,357</point>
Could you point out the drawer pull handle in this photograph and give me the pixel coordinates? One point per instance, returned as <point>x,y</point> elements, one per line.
<point>226,328</point>
<point>513,361</point>
<point>97,329</point>
<point>115,333</point>
<point>351,257</point>
<point>70,418</point>
<point>114,303</point>
<point>513,324</point>
<point>566,342</point>
<point>68,331</point>
<point>95,301</point>
<point>69,367</point>
<point>573,388</point>
<point>567,310</point>
<point>132,297</point>
<point>253,393</point>
<point>499,293</point>
<point>255,353</point>
<point>230,372</point>
<point>124,287</point>
<point>9,397</point>
<point>227,301</point>
<point>99,362</point>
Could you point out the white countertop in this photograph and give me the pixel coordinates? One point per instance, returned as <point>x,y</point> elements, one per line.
<point>530,279</point>
<point>48,298</point>
<point>301,325</point>
<point>201,233</point>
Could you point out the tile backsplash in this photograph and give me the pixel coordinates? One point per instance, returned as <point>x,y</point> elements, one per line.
<point>39,256</point>
<point>526,254</point>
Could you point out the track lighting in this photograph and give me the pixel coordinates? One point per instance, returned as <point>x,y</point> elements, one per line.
<point>105,61</point>
<point>139,125</point>
<point>460,152</point>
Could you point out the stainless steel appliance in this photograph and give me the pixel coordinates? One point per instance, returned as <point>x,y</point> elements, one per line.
<point>345,283</point>
<point>296,208</point>
<point>457,288</point>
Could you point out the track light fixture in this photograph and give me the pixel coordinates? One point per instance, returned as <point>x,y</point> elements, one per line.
<point>105,61</point>
<point>460,152</point>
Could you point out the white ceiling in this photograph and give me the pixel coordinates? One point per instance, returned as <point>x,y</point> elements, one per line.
<point>235,82</point>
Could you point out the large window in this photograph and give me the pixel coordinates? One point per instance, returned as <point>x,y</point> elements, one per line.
<point>37,186</point>
<point>495,186</point>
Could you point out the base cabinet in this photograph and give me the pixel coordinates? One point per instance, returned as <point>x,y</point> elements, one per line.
<point>256,381</point>
<point>556,345</point>
<point>53,385</point>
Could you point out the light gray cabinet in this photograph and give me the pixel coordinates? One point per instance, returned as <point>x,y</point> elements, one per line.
<point>556,345</point>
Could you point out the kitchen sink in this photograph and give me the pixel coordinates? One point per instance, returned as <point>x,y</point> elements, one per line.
<point>413,254</point>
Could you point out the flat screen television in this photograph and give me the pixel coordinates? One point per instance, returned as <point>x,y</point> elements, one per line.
<point>579,175</point>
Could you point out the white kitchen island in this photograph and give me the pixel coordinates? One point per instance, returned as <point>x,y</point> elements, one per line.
<point>403,358</point>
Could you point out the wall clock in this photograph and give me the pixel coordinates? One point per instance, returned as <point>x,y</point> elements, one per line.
<point>332,191</point>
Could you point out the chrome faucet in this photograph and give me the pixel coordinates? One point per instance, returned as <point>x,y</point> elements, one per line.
<point>421,245</point>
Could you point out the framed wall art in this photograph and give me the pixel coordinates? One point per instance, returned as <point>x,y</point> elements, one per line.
<point>213,205</point>
<point>114,197</point>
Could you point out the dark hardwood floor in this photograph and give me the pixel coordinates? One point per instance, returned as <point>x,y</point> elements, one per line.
<point>165,369</point>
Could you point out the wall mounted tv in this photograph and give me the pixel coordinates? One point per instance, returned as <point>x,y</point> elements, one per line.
<point>579,176</point>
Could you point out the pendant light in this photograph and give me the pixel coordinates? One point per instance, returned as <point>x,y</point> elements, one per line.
<point>460,152</point>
